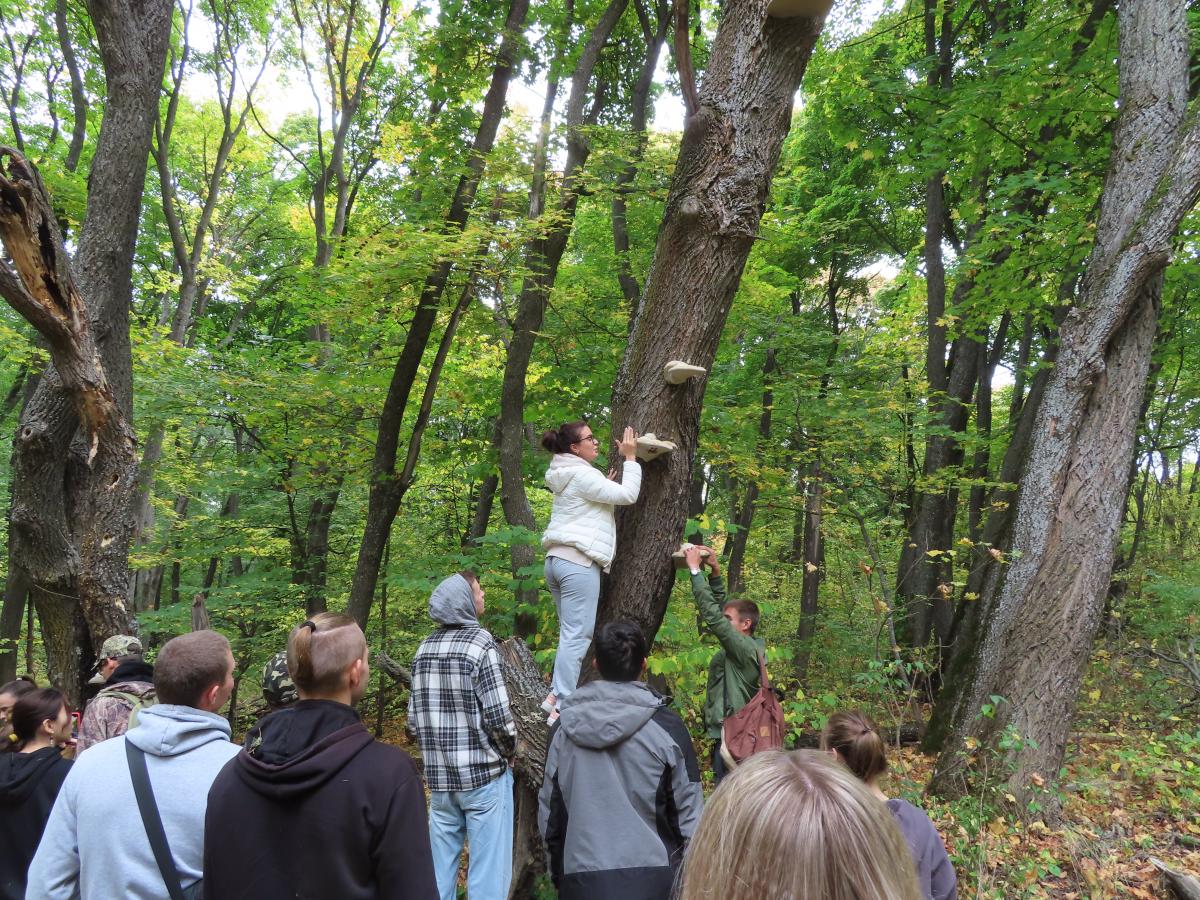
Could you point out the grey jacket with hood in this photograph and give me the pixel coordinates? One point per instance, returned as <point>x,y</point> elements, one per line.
<point>621,796</point>
<point>95,844</point>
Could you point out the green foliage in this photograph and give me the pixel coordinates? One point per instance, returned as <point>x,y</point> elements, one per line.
<point>261,420</point>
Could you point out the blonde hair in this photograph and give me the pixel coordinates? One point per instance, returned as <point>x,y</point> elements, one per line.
<point>320,650</point>
<point>797,826</point>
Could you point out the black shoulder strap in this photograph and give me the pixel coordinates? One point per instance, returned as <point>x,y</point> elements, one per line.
<point>152,820</point>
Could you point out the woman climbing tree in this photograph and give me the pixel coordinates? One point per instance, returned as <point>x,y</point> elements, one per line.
<point>581,539</point>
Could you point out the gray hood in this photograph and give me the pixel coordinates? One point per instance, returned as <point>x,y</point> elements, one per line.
<point>605,713</point>
<point>564,467</point>
<point>169,730</point>
<point>453,602</point>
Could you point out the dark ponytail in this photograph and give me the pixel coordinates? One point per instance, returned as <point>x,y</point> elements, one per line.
<point>857,742</point>
<point>28,714</point>
<point>559,440</point>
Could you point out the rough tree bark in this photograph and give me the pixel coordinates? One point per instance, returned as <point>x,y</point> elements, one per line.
<point>730,148</point>
<point>1045,606</point>
<point>74,466</point>
<point>526,690</point>
<point>386,491</point>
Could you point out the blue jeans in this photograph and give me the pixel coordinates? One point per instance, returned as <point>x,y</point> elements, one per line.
<point>576,593</point>
<point>484,819</point>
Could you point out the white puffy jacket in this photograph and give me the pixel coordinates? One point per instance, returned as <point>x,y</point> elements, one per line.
<point>584,498</point>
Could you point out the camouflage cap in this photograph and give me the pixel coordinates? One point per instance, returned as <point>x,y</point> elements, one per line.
<point>278,688</point>
<point>120,645</point>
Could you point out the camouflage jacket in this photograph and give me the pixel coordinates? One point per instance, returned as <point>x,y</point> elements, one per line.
<point>107,716</point>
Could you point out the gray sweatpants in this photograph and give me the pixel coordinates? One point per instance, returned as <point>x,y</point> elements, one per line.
<point>576,592</point>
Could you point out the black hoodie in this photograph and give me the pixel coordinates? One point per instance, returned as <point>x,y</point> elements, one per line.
<point>29,782</point>
<point>317,809</point>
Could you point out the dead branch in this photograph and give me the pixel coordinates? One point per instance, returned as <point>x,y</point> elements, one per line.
<point>40,286</point>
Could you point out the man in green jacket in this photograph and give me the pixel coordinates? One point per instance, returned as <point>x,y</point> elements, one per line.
<point>733,673</point>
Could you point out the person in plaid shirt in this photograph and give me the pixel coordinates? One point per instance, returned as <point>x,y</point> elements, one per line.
<point>459,713</point>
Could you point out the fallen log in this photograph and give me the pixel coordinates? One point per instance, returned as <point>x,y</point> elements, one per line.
<point>1177,884</point>
<point>393,669</point>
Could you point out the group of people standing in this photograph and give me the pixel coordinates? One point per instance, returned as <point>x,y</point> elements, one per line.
<point>162,804</point>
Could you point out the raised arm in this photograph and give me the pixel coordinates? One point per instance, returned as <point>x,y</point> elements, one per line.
<point>710,599</point>
<point>595,487</point>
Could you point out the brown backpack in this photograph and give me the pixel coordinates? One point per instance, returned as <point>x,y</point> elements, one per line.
<point>756,727</point>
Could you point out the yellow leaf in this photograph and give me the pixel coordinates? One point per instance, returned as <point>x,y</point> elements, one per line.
<point>1094,695</point>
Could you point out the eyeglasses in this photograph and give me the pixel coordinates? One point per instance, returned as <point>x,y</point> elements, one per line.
<point>589,437</point>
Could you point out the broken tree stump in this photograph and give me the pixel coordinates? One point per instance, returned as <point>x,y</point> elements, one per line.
<point>526,691</point>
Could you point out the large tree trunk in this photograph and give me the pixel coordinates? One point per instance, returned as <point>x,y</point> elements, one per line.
<point>74,465</point>
<point>1044,607</point>
<point>730,147</point>
<point>386,491</point>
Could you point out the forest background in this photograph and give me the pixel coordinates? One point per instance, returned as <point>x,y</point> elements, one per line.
<point>380,247</point>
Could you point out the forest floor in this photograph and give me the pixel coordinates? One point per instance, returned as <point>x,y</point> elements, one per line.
<point>1130,791</point>
<point>1121,807</point>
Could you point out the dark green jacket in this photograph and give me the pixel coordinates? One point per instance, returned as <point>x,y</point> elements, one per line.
<point>733,672</point>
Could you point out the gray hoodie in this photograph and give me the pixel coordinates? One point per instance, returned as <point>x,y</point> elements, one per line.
<point>453,602</point>
<point>95,843</point>
<point>621,796</point>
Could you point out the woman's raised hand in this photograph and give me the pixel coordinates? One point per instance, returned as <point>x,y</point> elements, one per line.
<point>627,445</point>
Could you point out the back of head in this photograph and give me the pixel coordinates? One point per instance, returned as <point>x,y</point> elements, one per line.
<point>34,707</point>
<point>620,649</point>
<point>560,439</point>
<point>121,647</point>
<point>452,602</point>
<point>797,826</point>
<point>321,649</point>
<point>857,742</point>
<point>14,689</point>
<point>189,665</point>
<point>278,689</point>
